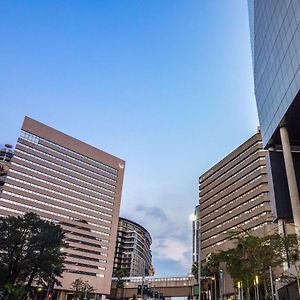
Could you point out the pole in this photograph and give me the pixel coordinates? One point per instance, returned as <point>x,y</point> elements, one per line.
<point>199,254</point>
<point>291,177</point>
<point>49,284</point>
<point>85,294</point>
<point>221,284</point>
<point>272,283</point>
<point>242,291</point>
<point>256,278</point>
<point>255,292</point>
<point>215,287</point>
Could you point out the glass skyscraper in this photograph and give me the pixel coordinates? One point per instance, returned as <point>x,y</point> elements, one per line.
<point>275,41</point>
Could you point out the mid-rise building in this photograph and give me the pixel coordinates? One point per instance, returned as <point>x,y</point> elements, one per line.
<point>234,196</point>
<point>133,251</point>
<point>275,41</point>
<point>72,184</point>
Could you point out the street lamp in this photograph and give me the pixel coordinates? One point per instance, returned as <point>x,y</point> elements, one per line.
<point>256,289</point>
<point>196,220</point>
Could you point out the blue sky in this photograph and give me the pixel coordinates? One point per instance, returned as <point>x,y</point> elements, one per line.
<point>165,85</point>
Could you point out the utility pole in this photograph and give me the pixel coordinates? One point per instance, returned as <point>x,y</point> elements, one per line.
<point>199,253</point>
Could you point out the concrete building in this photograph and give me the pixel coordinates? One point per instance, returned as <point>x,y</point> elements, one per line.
<point>75,185</point>
<point>275,41</point>
<point>133,251</point>
<point>234,196</point>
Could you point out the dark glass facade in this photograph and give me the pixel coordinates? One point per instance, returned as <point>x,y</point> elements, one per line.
<point>275,41</point>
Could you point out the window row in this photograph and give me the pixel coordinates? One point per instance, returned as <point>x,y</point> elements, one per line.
<point>210,197</point>
<point>232,209</point>
<point>66,196</point>
<point>70,151</point>
<point>230,194</point>
<point>34,208</point>
<point>60,180</point>
<point>93,238</point>
<point>29,137</point>
<point>54,206</point>
<point>69,204</point>
<point>103,261</point>
<point>74,177</point>
<point>77,160</point>
<point>72,165</point>
<point>236,216</point>
<point>226,239</point>
<point>67,262</point>
<point>236,174</point>
<point>232,161</point>
<point>84,273</point>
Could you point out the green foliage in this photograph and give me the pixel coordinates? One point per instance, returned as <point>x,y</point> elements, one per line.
<point>253,256</point>
<point>30,251</point>
<point>120,274</point>
<point>205,270</point>
<point>81,288</point>
<point>13,292</point>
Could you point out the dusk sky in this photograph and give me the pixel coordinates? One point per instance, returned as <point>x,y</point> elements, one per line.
<point>165,85</point>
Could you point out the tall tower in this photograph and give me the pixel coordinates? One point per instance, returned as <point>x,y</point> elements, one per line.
<point>72,184</point>
<point>275,41</point>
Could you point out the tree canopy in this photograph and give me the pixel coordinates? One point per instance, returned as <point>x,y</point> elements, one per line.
<point>82,289</point>
<point>30,251</point>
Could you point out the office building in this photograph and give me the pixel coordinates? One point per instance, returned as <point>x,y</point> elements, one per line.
<point>275,42</point>
<point>133,251</point>
<point>75,185</point>
<point>234,196</point>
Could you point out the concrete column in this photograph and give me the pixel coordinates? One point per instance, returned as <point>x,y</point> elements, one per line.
<point>291,177</point>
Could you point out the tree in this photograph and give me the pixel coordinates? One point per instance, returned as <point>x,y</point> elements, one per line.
<point>82,289</point>
<point>290,253</point>
<point>253,256</point>
<point>120,274</point>
<point>30,251</point>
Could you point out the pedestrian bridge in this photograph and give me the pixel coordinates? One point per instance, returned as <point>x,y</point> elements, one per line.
<point>169,286</point>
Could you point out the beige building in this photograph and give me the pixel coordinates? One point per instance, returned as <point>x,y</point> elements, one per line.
<point>75,185</point>
<point>234,196</point>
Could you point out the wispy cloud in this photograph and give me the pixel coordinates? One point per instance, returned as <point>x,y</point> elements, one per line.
<point>171,236</point>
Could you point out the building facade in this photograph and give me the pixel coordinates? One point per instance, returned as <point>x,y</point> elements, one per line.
<point>133,251</point>
<point>234,196</point>
<point>72,184</point>
<point>275,42</point>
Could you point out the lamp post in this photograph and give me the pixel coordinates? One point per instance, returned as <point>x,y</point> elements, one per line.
<point>256,289</point>
<point>196,220</point>
<point>215,286</point>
